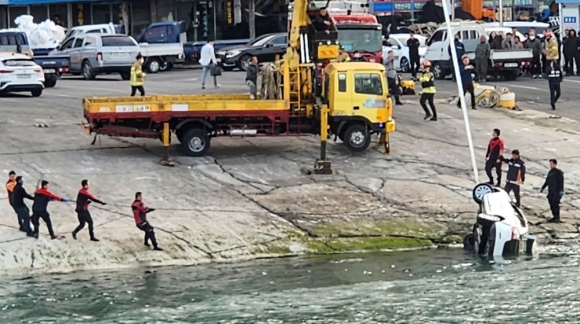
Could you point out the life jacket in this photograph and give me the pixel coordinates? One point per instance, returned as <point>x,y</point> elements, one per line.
<point>137,75</point>
<point>430,83</point>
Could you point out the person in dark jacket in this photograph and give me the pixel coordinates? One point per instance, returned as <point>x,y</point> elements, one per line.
<point>516,174</point>
<point>495,41</point>
<point>570,49</point>
<point>535,44</point>
<point>39,208</point>
<point>460,50</point>
<point>555,183</point>
<point>482,53</point>
<point>140,214</point>
<point>10,184</point>
<point>322,21</point>
<point>494,151</point>
<point>21,209</point>
<point>555,78</point>
<point>252,77</point>
<point>84,198</point>
<point>466,70</point>
<point>415,59</point>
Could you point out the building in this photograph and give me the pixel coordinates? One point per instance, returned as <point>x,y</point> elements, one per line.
<point>217,19</point>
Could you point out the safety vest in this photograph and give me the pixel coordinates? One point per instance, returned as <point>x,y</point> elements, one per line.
<point>137,75</point>
<point>427,82</point>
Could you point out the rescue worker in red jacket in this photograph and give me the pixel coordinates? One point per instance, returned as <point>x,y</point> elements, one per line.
<point>140,215</point>
<point>495,149</point>
<point>84,198</point>
<point>39,208</point>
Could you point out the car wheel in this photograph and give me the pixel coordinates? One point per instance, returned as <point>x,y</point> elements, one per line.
<point>405,66</point>
<point>88,73</point>
<point>469,241</point>
<point>356,138</point>
<point>36,93</point>
<point>195,142</point>
<point>480,191</point>
<point>244,62</point>
<point>438,71</point>
<point>153,65</point>
<point>50,82</point>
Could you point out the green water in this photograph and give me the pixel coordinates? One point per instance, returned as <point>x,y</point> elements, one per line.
<point>441,286</point>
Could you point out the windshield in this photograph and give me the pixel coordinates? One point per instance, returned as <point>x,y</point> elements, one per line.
<point>403,40</point>
<point>360,40</point>
<point>260,41</point>
<point>120,41</point>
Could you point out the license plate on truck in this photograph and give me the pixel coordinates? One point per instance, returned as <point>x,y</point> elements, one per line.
<point>511,65</point>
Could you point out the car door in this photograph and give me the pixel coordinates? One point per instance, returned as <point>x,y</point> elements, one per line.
<point>437,49</point>
<point>75,54</point>
<point>65,49</point>
<point>277,46</point>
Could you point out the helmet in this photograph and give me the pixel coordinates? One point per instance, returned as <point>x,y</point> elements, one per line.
<point>426,63</point>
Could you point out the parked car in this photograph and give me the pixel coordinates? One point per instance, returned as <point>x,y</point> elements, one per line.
<point>94,54</point>
<point>19,73</point>
<point>398,44</point>
<point>265,47</point>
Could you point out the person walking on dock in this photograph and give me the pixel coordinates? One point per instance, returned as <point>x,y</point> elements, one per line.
<point>140,214</point>
<point>137,76</point>
<point>84,198</point>
<point>516,174</point>
<point>555,183</point>
<point>21,209</point>
<point>39,208</point>
<point>427,80</point>
<point>492,161</point>
<point>207,60</point>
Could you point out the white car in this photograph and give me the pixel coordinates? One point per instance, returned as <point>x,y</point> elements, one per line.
<point>398,44</point>
<point>19,73</point>
<point>501,229</point>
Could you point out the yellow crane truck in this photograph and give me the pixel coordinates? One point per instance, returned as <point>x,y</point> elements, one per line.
<point>354,104</point>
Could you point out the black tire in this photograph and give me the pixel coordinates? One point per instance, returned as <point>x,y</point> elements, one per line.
<point>356,138</point>
<point>36,93</point>
<point>469,241</point>
<point>227,68</point>
<point>196,142</point>
<point>50,82</point>
<point>170,66</point>
<point>125,75</point>
<point>510,75</point>
<point>244,61</point>
<point>180,132</point>
<point>481,190</point>
<point>405,65</point>
<point>88,73</point>
<point>152,65</point>
<point>438,72</point>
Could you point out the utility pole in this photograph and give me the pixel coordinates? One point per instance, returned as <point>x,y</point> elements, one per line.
<point>501,13</point>
<point>252,18</point>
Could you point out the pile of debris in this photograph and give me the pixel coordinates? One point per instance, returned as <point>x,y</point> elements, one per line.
<point>44,35</point>
<point>427,29</point>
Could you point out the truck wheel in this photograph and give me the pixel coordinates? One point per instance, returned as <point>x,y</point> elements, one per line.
<point>438,71</point>
<point>50,82</point>
<point>195,142</point>
<point>469,241</point>
<point>356,138</point>
<point>36,93</point>
<point>88,73</point>
<point>153,65</point>
<point>481,190</point>
<point>125,75</point>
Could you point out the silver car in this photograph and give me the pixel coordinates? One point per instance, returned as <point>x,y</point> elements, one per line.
<point>93,54</point>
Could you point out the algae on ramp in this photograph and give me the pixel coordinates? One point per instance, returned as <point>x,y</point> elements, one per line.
<point>400,227</point>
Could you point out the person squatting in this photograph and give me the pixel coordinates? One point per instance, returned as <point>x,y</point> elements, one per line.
<point>41,198</point>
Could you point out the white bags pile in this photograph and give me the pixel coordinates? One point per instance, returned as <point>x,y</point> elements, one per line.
<point>44,35</point>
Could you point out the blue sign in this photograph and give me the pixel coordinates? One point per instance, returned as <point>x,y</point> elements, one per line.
<point>569,20</point>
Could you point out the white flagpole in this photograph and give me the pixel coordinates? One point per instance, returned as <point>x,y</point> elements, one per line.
<point>460,90</point>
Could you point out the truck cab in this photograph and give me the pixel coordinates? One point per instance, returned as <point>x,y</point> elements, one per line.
<point>359,102</point>
<point>360,32</point>
<point>14,41</point>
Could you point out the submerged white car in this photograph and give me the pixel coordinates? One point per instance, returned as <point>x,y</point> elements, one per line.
<point>501,229</point>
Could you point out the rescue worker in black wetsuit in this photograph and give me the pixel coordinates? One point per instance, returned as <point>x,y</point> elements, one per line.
<point>84,198</point>
<point>21,209</point>
<point>494,151</point>
<point>140,215</point>
<point>39,208</point>
<point>555,183</point>
<point>516,174</point>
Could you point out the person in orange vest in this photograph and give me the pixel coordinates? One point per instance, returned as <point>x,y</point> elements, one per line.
<point>10,184</point>
<point>137,76</point>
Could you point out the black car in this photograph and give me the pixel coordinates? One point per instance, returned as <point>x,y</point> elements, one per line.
<point>265,48</point>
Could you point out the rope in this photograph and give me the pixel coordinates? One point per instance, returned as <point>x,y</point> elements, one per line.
<point>271,80</point>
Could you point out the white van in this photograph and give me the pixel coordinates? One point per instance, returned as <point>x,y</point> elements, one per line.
<point>506,63</point>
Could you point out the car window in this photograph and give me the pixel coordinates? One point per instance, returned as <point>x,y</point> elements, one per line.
<point>261,41</point>
<point>394,42</point>
<point>90,41</point>
<point>386,43</point>
<point>279,41</point>
<point>368,83</point>
<point>438,36</point>
<point>342,82</point>
<point>94,31</point>
<point>68,44</point>
<point>78,43</point>
<point>155,33</point>
<point>118,41</point>
<point>18,62</point>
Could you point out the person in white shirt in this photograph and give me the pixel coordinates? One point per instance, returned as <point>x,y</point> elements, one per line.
<point>207,60</point>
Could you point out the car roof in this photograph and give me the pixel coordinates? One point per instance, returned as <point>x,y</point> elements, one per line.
<point>6,56</point>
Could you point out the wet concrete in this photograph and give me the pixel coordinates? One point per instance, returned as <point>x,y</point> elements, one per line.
<point>248,198</point>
